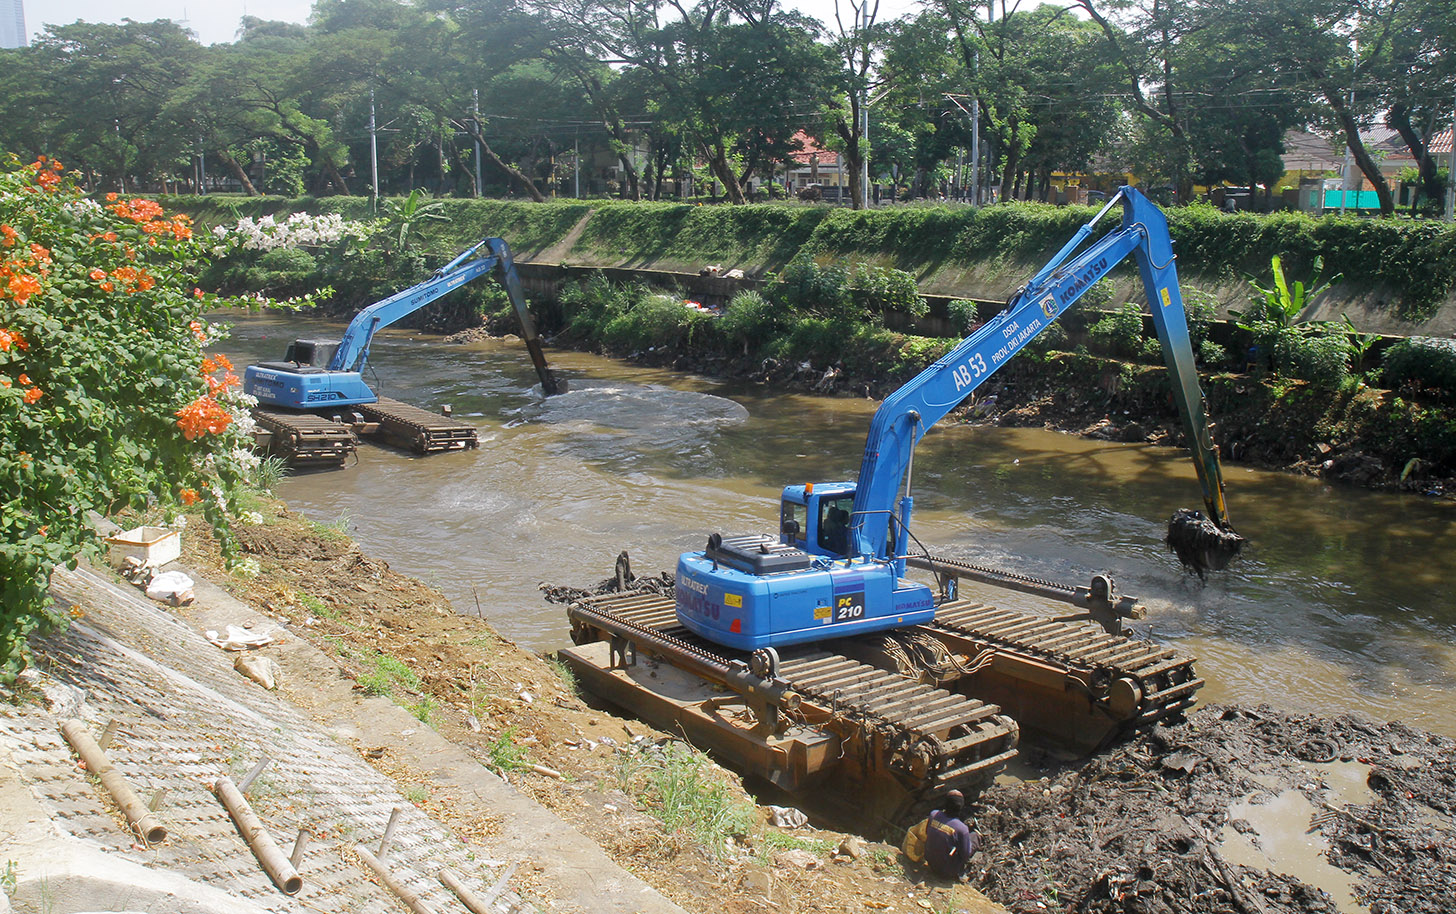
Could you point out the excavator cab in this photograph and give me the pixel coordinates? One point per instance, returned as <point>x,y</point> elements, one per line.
<point>317,353</point>
<point>815,518</point>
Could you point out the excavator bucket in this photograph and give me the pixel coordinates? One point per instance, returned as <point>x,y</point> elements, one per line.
<point>1200,544</point>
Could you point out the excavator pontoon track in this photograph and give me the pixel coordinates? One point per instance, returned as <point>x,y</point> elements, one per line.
<point>819,716</point>
<point>416,429</point>
<point>304,439</point>
<point>1071,684</point>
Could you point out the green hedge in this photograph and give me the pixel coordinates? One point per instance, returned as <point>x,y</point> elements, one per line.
<point>1413,262</point>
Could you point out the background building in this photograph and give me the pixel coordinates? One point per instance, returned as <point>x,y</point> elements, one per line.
<point>12,24</point>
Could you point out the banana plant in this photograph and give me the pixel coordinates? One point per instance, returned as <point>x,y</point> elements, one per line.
<point>1281,303</point>
<point>403,219</point>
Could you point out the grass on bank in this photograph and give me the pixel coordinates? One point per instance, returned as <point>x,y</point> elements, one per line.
<point>674,784</point>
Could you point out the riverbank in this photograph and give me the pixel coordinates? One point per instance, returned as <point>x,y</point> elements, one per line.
<point>658,808</point>
<point>1351,433</point>
<point>1195,817</point>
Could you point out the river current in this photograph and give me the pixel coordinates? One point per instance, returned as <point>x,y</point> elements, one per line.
<point>1343,600</point>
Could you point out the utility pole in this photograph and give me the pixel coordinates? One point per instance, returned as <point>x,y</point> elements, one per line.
<point>576,164</point>
<point>976,140</point>
<point>1349,152</point>
<point>1451,171</point>
<point>121,148</point>
<point>864,114</point>
<point>479,184</point>
<point>201,167</point>
<point>373,159</point>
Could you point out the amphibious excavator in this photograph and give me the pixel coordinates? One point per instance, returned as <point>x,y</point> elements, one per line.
<point>809,656</point>
<point>312,402</point>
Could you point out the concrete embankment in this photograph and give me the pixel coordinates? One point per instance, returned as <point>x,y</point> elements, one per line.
<point>185,717</point>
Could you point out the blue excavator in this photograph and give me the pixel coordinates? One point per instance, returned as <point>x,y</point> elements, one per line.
<point>809,659</point>
<point>326,374</point>
<point>837,567</point>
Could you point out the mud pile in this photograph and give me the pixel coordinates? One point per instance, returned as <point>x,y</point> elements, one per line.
<point>1138,829</point>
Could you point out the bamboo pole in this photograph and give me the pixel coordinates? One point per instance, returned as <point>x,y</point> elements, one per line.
<point>137,815</point>
<point>474,902</point>
<point>409,896</point>
<point>270,857</point>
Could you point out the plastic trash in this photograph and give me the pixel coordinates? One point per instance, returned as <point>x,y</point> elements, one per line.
<point>172,587</point>
<point>239,639</point>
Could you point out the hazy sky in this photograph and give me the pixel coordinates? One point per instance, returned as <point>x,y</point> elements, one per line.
<point>217,20</point>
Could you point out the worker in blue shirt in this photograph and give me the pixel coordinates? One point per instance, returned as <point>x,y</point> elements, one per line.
<point>949,842</point>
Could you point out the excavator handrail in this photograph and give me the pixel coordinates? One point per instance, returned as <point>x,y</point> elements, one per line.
<point>908,413</point>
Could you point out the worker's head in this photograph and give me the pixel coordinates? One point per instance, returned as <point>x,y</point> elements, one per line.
<point>955,803</point>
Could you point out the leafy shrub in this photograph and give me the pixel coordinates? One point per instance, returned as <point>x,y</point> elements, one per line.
<point>1321,358</point>
<point>807,287</point>
<point>750,320</point>
<point>1212,354</point>
<point>1119,334</point>
<point>880,289</point>
<point>591,305</point>
<point>963,315</point>
<point>656,320</point>
<point>1097,297</point>
<point>1424,363</point>
<point>106,400</point>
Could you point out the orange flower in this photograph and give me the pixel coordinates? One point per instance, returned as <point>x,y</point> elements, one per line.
<point>198,333</point>
<point>5,382</point>
<point>24,379</point>
<point>32,394</point>
<point>110,197</point>
<point>224,361</point>
<point>7,236</point>
<point>216,386</point>
<point>41,254</point>
<point>197,293</point>
<point>10,338</point>
<point>109,236</point>
<point>97,275</point>
<point>23,287</point>
<point>188,496</point>
<point>208,365</point>
<point>202,416</point>
<point>107,287</point>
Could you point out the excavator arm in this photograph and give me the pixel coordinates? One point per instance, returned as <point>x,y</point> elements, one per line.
<point>353,351</point>
<point>906,415</point>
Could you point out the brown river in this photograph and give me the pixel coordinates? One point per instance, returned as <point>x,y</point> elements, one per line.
<point>1343,600</point>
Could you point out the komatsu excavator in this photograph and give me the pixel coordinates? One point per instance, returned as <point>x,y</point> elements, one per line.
<point>808,657</point>
<point>312,404</point>
<point>320,374</point>
<point>837,567</point>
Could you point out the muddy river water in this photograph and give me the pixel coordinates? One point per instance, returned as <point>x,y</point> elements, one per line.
<point>1343,601</point>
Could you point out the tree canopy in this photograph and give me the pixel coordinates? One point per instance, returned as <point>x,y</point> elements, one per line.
<point>646,95</point>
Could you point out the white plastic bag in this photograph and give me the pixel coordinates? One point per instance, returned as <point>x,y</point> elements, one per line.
<point>171,587</point>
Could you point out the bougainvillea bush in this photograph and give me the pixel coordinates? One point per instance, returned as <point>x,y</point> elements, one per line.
<point>107,398</point>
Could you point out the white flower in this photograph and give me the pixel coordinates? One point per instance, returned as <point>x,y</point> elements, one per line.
<point>251,517</point>
<point>245,568</point>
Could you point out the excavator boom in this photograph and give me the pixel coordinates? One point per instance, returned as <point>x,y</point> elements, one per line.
<point>299,383</point>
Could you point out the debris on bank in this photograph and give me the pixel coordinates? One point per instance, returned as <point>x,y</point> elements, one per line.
<point>1154,825</point>
<point>1178,819</point>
